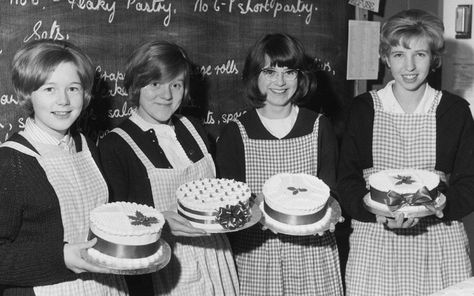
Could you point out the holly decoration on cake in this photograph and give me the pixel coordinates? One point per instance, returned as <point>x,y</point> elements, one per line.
<point>140,219</point>
<point>404,180</point>
<point>296,190</point>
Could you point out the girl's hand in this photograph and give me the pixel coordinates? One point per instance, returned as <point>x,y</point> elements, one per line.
<point>179,226</point>
<point>398,222</point>
<point>74,260</point>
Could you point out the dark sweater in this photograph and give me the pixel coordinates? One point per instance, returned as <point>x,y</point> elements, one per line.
<point>454,155</point>
<point>31,229</point>
<point>126,175</point>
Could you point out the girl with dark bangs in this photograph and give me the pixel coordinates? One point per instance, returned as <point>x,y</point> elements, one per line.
<point>277,136</point>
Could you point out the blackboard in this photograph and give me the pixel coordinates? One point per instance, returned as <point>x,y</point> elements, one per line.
<point>215,33</point>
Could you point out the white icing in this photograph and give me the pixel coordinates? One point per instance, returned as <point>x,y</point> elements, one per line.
<point>295,194</point>
<point>386,180</point>
<point>112,223</point>
<point>208,195</point>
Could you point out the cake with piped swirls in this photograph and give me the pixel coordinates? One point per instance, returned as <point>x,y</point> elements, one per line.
<point>215,204</point>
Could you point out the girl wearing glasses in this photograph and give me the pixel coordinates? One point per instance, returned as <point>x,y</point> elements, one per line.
<point>278,136</point>
<point>408,124</point>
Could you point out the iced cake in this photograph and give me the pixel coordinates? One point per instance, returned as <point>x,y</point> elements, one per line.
<point>215,204</point>
<point>295,203</point>
<point>127,235</point>
<point>411,191</point>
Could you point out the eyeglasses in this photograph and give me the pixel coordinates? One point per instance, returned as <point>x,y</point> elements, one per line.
<point>271,74</point>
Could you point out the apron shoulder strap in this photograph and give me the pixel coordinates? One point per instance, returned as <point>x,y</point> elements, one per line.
<point>20,147</point>
<point>436,101</point>
<point>194,133</point>
<point>242,130</point>
<point>376,100</point>
<point>138,151</point>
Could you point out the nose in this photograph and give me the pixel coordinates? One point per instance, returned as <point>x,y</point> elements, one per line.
<point>280,78</point>
<point>410,63</point>
<point>166,91</point>
<point>63,98</point>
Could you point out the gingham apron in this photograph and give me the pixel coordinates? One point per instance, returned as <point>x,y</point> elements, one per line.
<point>80,187</point>
<point>270,264</point>
<point>199,266</point>
<point>415,261</point>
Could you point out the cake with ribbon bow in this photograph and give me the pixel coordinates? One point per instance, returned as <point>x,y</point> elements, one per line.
<point>295,203</point>
<point>127,235</point>
<point>215,204</point>
<point>411,191</point>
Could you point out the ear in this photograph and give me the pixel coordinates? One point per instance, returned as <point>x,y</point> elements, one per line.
<point>386,61</point>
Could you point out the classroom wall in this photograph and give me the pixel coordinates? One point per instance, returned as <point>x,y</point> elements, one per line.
<point>215,34</point>
<point>459,58</point>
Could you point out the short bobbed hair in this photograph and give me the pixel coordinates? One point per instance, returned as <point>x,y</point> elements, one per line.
<point>35,61</point>
<point>159,61</point>
<point>411,24</point>
<point>282,50</point>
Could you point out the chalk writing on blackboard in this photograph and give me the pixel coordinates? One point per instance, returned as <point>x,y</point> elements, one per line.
<point>8,99</point>
<point>95,5</point>
<point>115,78</point>
<point>275,7</point>
<point>223,119</point>
<point>54,32</point>
<point>124,111</point>
<point>229,67</point>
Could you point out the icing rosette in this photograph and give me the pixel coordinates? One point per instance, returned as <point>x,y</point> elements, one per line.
<point>233,216</point>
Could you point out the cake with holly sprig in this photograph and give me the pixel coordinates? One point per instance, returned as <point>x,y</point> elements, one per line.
<point>127,235</point>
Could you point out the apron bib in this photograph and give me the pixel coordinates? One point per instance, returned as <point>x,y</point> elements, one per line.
<point>80,187</point>
<point>415,261</point>
<point>201,265</point>
<point>270,264</point>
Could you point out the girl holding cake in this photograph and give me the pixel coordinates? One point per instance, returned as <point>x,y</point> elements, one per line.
<point>50,180</point>
<point>152,153</point>
<point>277,136</point>
<point>408,124</point>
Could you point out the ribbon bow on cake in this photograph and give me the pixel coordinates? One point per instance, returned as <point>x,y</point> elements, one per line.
<point>395,200</point>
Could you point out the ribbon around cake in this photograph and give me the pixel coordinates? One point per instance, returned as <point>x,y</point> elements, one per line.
<point>395,200</point>
<point>230,217</point>
<point>233,216</point>
<point>124,251</point>
<point>295,219</point>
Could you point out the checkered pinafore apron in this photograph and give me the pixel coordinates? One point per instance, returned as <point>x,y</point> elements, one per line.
<point>199,266</point>
<point>415,261</point>
<point>270,264</point>
<point>80,187</point>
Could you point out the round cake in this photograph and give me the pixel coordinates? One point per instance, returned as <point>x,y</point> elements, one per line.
<point>127,235</point>
<point>295,203</point>
<point>411,191</point>
<point>215,204</point>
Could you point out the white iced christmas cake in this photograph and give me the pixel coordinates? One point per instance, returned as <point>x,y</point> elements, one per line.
<point>411,191</point>
<point>127,235</point>
<point>295,203</point>
<point>215,204</point>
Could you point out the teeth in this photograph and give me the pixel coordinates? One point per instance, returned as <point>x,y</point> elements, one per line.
<point>61,112</point>
<point>280,91</point>
<point>409,76</point>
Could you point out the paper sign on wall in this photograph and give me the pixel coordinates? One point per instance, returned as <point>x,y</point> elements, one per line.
<point>372,5</point>
<point>363,50</point>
